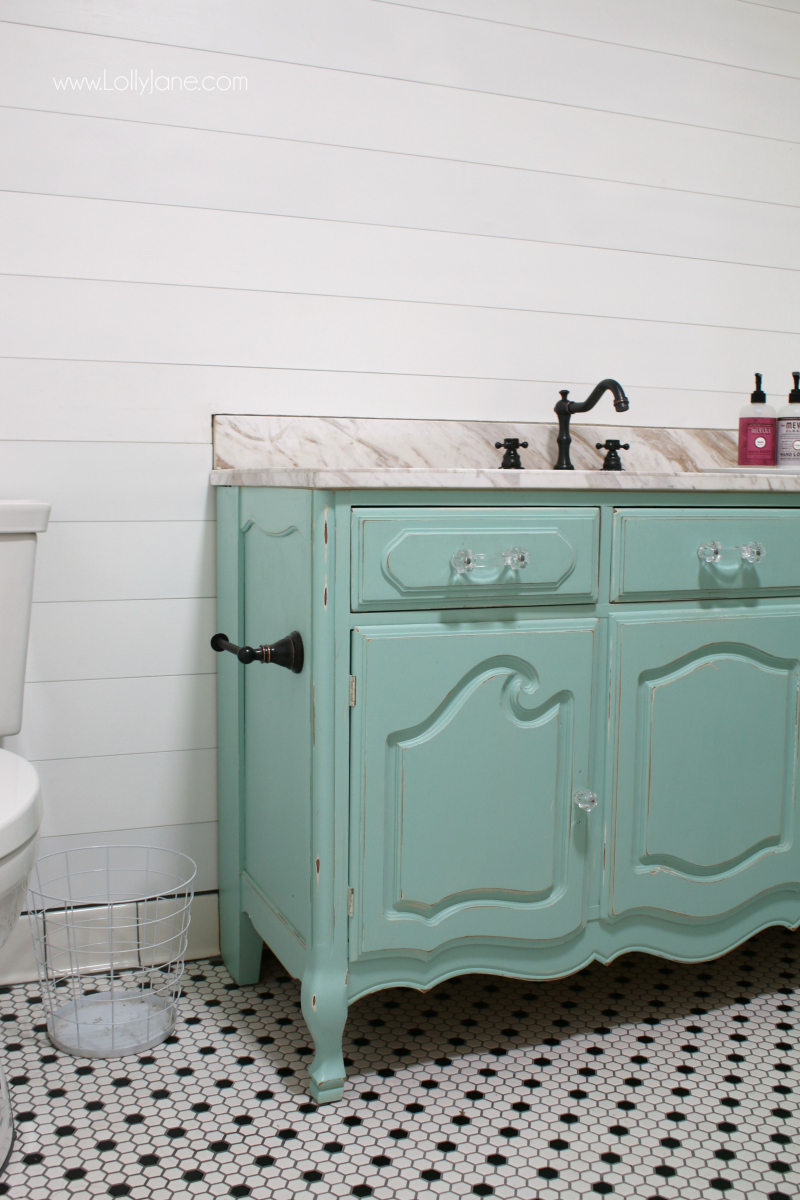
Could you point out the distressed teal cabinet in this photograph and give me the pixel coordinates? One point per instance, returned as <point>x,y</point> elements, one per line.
<point>531,731</point>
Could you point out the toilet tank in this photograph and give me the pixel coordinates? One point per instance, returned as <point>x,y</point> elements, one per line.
<point>20,521</point>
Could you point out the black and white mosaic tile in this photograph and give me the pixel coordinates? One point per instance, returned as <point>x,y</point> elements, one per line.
<point>645,1079</point>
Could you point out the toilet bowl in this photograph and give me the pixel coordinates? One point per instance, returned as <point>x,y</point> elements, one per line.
<point>20,818</point>
<point>20,795</point>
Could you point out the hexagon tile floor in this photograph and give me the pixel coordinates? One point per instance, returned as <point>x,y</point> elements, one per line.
<point>644,1078</point>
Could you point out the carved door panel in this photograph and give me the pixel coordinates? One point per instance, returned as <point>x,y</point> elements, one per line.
<point>705,794</point>
<point>467,746</point>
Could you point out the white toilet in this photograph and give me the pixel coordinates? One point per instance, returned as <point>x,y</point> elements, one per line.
<point>20,797</point>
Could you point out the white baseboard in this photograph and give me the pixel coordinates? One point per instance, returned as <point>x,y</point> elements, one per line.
<point>18,965</point>
<point>204,929</point>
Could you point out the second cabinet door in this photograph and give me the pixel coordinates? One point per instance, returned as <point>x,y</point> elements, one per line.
<point>467,746</point>
<point>704,810</point>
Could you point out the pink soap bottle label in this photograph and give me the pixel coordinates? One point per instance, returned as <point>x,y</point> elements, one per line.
<point>756,442</point>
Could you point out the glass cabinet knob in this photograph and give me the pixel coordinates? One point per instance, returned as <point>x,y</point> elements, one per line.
<point>586,800</point>
<point>464,561</point>
<point>710,552</point>
<point>753,552</point>
<point>516,558</point>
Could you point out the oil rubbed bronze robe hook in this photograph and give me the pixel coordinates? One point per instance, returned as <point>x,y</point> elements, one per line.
<point>288,652</point>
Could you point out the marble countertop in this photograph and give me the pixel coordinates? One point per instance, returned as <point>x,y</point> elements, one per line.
<point>374,453</point>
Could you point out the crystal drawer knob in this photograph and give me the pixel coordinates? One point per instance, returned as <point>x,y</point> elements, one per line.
<point>516,558</point>
<point>753,552</point>
<point>586,800</point>
<point>464,561</point>
<point>710,552</point>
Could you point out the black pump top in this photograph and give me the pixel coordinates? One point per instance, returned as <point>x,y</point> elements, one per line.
<point>794,394</point>
<point>758,397</point>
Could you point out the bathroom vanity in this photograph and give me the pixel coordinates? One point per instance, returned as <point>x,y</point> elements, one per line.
<point>543,717</point>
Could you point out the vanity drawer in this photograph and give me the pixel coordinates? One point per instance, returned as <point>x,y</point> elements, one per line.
<point>462,557</point>
<point>655,553</point>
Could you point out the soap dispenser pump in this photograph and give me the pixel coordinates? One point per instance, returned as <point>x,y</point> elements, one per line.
<point>789,429</point>
<point>757,430</point>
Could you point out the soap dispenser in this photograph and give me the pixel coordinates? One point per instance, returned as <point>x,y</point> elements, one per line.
<point>789,429</point>
<point>757,431</point>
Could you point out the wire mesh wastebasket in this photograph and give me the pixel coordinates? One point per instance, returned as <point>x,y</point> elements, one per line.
<point>110,927</point>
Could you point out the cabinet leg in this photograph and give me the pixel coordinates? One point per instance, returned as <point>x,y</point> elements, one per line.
<point>242,949</point>
<point>324,1002</point>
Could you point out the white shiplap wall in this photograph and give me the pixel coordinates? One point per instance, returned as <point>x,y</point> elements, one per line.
<point>449,208</point>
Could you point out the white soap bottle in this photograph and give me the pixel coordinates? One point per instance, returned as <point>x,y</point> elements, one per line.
<point>789,429</point>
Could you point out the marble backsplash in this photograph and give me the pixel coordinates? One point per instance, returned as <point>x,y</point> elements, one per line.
<point>364,443</point>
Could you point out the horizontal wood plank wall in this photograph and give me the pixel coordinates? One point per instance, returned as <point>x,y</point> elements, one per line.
<point>446,208</point>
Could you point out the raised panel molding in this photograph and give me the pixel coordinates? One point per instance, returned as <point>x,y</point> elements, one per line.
<point>270,533</point>
<point>467,744</point>
<point>445,763</point>
<point>690,704</point>
<point>404,562</point>
<point>701,829</point>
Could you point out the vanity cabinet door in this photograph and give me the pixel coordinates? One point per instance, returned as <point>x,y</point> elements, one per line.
<point>705,794</point>
<point>467,746</point>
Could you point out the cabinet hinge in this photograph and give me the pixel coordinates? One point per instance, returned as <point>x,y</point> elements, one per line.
<point>352,691</point>
<point>350,902</point>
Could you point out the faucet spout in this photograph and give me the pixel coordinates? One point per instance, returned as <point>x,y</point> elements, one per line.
<point>565,408</point>
<point>605,385</point>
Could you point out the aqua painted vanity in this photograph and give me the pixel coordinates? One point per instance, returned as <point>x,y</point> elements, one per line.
<point>534,727</point>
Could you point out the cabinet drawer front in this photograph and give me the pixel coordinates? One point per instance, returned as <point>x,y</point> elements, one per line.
<point>417,558</point>
<point>656,553</point>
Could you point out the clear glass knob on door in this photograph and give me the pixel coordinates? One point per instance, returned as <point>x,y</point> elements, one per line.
<point>587,801</point>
